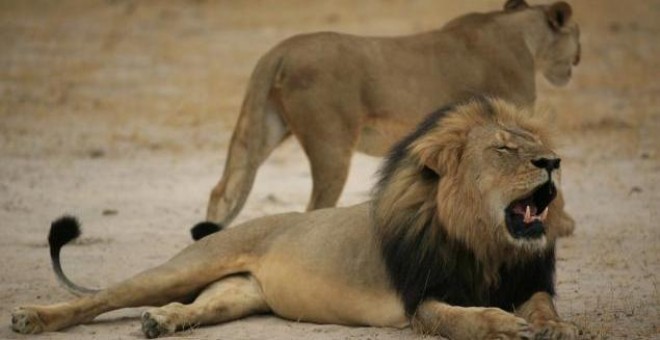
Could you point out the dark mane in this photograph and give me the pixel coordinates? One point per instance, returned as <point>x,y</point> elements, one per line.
<point>399,151</point>
<point>422,260</point>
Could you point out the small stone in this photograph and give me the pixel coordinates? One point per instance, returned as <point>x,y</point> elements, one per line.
<point>96,153</point>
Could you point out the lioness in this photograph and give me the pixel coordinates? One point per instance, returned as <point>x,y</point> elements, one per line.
<point>458,241</point>
<point>338,92</point>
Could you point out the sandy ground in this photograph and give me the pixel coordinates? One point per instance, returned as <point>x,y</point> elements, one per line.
<point>120,112</point>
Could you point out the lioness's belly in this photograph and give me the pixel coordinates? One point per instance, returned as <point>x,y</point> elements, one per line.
<point>327,269</point>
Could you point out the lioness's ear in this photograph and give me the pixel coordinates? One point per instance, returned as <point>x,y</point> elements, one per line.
<point>558,14</point>
<point>511,5</point>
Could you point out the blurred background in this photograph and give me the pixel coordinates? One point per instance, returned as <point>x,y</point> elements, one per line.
<point>123,74</point>
<point>121,111</point>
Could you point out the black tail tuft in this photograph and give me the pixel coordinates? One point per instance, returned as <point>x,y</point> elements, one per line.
<point>62,231</point>
<point>203,229</point>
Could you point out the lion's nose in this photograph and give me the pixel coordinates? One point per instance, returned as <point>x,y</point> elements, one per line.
<point>548,164</point>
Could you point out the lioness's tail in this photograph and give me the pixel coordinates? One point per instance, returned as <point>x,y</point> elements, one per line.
<point>259,130</point>
<point>62,231</point>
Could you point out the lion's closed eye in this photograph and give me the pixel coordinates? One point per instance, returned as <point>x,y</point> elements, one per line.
<point>506,149</point>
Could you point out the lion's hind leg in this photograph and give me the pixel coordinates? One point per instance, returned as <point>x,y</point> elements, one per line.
<point>35,319</point>
<point>173,281</point>
<point>228,299</point>
<point>437,318</point>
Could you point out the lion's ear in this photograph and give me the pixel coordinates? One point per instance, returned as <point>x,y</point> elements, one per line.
<point>439,153</point>
<point>511,5</point>
<point>559,14</point>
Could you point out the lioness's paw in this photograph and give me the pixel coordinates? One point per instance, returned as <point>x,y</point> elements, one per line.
<point>154,324</point>
<point>552,329</point>
<point>566,225</point>
<point>25,320</point>
<point>498,324</point>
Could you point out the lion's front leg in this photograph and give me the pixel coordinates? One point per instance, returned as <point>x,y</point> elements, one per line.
<point>540,312</point>
<point>437,318</point>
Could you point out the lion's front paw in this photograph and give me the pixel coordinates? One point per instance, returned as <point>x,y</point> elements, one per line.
<point>552,329</point>
<point>25,320</point>
<point>155,324</point>
<point>494,323</point>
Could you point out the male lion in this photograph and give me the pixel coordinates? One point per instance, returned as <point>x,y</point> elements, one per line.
<point>338,92</point>
<point>458,241</point>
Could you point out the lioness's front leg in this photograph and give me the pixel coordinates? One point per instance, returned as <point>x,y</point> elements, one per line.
<point>540,311</point>
<point>437,318</point>
<point>566,224</point>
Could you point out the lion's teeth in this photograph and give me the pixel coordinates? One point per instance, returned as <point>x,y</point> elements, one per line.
<point>544,214</point>
<point>528,215</point>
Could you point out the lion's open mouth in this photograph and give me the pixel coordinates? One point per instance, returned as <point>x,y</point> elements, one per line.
<point>525,217</point>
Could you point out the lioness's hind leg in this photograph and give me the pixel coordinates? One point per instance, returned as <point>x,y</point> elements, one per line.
<point>228,299</point>
<point>258,132</point>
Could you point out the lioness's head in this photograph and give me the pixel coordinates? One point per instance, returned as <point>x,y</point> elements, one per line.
<point>482,174</point>
<point>556,42</point>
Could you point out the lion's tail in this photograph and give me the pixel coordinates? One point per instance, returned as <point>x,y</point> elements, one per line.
<point>62,231</point>
<point>67,228</point>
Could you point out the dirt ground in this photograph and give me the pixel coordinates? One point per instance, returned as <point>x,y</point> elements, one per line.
<point>120,112</point>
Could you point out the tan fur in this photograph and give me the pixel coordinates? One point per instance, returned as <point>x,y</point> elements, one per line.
<point>327,266</point>
<point>338,93</point>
